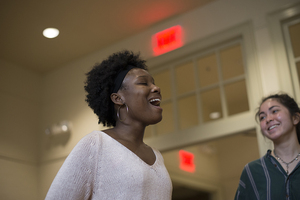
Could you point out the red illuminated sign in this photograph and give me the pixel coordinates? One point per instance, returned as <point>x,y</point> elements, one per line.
<point>186,161</point>
<point>167,40</point>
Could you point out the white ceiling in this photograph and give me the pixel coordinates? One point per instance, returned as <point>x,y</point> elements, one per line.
<point>85,27</point>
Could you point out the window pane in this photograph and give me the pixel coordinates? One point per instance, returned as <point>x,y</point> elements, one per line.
<point>185,81</point>
<point>188,115</point>
<point>232,62</point>
<point>208,70</point>
<point>295,39</point>
<point>163,80</point>
<point>167,123</point>
<point>236,97</point>
<point>298,70</point>
<point>211,104</point>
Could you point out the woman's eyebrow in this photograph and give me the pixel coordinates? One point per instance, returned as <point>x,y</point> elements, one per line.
<point>142,76</point>
<point>273,107</point>
<point>146,76</point>
<point>268,109</point>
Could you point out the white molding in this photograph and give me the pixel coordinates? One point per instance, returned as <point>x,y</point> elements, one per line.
<point>209,131</point>
<point>275,25</point>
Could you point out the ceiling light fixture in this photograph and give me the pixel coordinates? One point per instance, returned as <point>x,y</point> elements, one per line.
<point>51,32</point>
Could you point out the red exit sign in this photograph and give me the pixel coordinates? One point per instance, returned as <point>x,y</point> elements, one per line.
<point>187,161</point>
<point>167,40</point>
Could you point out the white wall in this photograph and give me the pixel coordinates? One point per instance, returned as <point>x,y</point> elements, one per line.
<point>19,123</point>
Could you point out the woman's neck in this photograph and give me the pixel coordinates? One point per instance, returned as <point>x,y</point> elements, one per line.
<point>287,150</point>
<point>129,133</point>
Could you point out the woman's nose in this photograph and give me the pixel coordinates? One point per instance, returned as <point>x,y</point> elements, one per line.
<point>269,118</point>
<point>155,88</point>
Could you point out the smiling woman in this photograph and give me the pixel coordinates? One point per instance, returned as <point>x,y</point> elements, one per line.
<point>116,163</point>
<point>279,117</point>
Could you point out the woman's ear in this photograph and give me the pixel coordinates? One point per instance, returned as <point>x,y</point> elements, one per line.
<point>117,99</point>
<point>296,118</point>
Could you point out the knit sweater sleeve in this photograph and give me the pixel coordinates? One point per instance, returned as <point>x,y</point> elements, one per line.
<point>75,179</point>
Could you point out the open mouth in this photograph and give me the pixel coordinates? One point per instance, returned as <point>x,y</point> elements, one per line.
<point>155,102</point>
<point>272,127</point>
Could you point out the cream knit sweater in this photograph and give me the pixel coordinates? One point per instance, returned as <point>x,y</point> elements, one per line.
<point>99,167</point>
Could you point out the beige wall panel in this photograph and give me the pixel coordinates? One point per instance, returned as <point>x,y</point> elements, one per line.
<point>19,125</point>
<point>19,128</point>
<point>19,112</point>
<point>18,180</point>
<point>19,82</point>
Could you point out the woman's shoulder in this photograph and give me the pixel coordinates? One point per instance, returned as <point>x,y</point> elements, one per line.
<point>89,141</point>
<point>259,161</point>
<point>254,163</point>
<point>92,136</point>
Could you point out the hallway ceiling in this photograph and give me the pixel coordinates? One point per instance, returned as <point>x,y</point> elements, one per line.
<point>85,27</point>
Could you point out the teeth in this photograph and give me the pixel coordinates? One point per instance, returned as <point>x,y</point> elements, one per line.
<point>273,127</point>
<point>152,100</point>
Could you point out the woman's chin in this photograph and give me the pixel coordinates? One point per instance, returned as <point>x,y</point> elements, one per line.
<point>155,121</point>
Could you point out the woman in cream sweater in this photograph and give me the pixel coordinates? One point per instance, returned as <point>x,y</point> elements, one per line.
<point>116,163</point>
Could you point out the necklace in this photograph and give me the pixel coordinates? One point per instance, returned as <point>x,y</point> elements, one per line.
<point>286,163</point>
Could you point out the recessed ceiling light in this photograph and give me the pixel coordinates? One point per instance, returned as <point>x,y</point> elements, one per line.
<point>51,32</point>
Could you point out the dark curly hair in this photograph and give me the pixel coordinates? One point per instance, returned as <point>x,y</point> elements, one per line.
<point>100,81</point>
<point>287,102</point>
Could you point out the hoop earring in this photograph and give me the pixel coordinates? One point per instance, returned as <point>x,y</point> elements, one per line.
<point>118,113</point>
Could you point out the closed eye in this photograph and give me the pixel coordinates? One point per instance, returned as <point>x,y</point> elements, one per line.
<point>143,83</point>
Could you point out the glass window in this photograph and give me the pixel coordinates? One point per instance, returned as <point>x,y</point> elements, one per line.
<point>163,81</point>
<point>185,81</point>
<point>167,123</point>
<point>236,97</point>
<point>232,62</point>
<point>294,51</point>
<point>208,70</point>
<point>295,39</point>
<point>208,86</point>
<point>188,115</point>
<point>211,105</point>
<point>285,26</point>
<point>298,70</point>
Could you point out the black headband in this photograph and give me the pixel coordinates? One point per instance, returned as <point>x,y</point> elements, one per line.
<point>119,79</point>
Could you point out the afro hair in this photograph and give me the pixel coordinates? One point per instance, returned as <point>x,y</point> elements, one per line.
<point>100,81</point>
